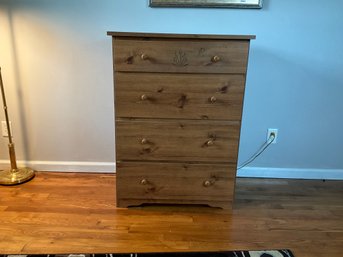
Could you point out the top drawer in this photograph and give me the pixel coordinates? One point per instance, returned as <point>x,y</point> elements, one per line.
<point>181,56</point>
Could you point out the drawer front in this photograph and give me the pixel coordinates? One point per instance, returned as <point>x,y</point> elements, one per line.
<point>181,56</point>
<point>181,96</point>
<point>151,181</point>
<point>171,140</point>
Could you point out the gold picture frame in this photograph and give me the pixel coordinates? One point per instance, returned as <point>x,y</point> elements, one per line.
<point>257,4</point>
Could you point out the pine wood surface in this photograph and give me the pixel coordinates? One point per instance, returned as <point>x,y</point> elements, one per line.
<point>180,96</point>
<point>179,36</point>
<point>178,99</point>
<point>174,140</point>
<point>193,56</point>
<point>75,212</point>
<point>175,183</point>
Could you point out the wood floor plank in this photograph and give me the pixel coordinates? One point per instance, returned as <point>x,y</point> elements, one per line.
<point>76,213</point>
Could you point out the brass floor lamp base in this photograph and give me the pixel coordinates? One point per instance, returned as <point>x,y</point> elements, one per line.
<point>16,176</point>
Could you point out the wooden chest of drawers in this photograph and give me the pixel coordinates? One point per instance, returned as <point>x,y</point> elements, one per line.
<point>178,105</point>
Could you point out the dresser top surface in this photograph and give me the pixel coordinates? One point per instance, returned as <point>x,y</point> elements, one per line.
<point>180,36</point>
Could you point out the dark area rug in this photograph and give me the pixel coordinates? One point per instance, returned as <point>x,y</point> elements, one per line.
<point>266,253</point>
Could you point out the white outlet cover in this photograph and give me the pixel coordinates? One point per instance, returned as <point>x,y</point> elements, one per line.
<point>275,131</point>
<point>4,128</point>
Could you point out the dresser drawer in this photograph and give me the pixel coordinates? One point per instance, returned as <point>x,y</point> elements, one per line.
<point>172,140</point>
<point>182,96</point>
<point>182,56</point>
<point>175,181</point>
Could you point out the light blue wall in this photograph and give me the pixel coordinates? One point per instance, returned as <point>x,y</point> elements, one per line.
<point>295,75</point>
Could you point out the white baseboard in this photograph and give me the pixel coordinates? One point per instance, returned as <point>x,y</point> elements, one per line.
<point>292,173</point>
<point>252,172</point>
<point>96,167</point>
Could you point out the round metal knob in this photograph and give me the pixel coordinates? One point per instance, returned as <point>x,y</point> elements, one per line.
<point>144,141</point>
<point>144,97</point>
<point>215,58</point>
<point>207,183</point>
<point>209,142</point>
<point>144,181</point>
<point>213,99</point>
<point>144,56</point>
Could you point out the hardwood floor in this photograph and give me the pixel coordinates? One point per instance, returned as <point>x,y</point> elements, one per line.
<point>75,212</point>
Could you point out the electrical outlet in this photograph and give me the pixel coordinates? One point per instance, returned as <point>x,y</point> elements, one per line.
<point>4,128</point>
<point>273,131</point>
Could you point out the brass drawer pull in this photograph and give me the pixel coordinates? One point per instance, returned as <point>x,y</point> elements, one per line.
<point>144,97</point>
<point>207,183</point>
<point>209,142</point>
<point>212,99</point>
<point>144,141</point>
<point>144,181</point>
<point>215,58</point>
<point>144,57</point>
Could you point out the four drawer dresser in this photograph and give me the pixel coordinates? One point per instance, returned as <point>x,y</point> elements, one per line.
<point>178,105</point>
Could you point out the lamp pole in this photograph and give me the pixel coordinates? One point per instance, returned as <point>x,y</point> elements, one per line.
<point>15,175</point>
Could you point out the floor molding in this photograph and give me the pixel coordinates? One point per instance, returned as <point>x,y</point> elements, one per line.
<point>97,167</point>
<point>292,173</point>
<point>253,172</point>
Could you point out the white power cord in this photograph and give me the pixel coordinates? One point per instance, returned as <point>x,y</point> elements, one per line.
<point>261,150</point>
